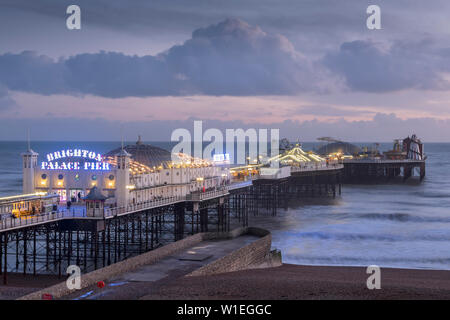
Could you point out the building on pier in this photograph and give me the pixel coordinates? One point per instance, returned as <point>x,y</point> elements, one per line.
<point>338,150</point>
<point>129,175</point>
<point>402,161</point>
<point>27,204</point>
<point>297,157</point>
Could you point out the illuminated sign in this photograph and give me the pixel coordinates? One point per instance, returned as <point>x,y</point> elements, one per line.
<point>91,161</point>
<point>102,166</point>
<point>74,153</point>
<point>221,157</point>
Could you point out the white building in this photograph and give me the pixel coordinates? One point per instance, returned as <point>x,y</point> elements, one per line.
<point>135,174</point>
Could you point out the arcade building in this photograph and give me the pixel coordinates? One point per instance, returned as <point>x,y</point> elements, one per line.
<point>128,175</point>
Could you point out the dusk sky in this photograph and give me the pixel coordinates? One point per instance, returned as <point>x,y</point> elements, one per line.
<point>308,67</point>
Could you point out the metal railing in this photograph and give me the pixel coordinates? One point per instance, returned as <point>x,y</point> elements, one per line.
<point>382,161</point>
<point>111,212</point>
<point>12,223</point>
<point>331,166</point>
<point>240,184</point>
<point>206,195</point>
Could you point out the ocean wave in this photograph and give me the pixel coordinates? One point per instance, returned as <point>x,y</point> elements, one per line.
<point>403,217</point>
<point>370,237</point>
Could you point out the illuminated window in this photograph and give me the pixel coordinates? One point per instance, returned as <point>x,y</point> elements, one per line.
<point>77,177</point>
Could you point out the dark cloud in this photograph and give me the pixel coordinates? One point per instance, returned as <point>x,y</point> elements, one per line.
<point>230,58</point>
<point>31,72</point>
<point>366,66</point>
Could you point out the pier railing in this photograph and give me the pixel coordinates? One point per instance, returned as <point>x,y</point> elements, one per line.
<point>240,184</point>
<point>383,161</point>
<point>13,223</point>
<point>331,166</point>
<point>206,195</point>
<point>111,212</point>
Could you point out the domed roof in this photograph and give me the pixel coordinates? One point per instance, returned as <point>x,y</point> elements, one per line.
<point>339,146</point>
<point>145,154</point>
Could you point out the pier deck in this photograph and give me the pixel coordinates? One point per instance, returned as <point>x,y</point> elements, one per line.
<point>79,212</point>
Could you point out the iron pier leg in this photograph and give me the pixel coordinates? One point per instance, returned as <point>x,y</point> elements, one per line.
<point>95,235</point>
<point>118,241</point>
<point>60,257</point>
<point>78,247</point>
<point>17,251</point>
<point>1,253</point>
<point>69,247</point>
<point>86,241</point>
<point>126,238</point>
<point>25,251</point>
<point>104,246</point>
<point>109,243</point>
<point>34,251</point>
<point>5,264</point>
<point>152,232</point>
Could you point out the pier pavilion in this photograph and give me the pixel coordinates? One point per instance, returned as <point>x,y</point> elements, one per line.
<point>129,175</point>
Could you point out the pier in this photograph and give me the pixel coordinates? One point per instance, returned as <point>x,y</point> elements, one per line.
<point>136,199</point>
<point>363,171</point>
<point>49,243</point>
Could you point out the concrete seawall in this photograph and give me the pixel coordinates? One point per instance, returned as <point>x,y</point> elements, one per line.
<point>253,254</point>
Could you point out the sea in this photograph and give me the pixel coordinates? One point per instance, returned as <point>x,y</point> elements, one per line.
<point>399,225</point>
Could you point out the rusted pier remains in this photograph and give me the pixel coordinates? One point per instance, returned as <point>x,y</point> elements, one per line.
<point>364,171</point>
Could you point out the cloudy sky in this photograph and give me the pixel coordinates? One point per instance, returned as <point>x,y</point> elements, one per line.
<point>310,68</point>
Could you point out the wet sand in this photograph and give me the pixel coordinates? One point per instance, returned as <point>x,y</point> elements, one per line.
<point>310,282</point>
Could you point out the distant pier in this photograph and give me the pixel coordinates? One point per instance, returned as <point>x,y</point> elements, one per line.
<point>372,170</point>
